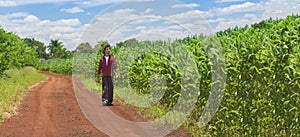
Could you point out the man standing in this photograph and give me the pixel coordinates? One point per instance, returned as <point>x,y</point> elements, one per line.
<point>106,65</point>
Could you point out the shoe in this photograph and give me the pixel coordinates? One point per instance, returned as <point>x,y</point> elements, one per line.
<point>104,103</point>
<point>109,104</point>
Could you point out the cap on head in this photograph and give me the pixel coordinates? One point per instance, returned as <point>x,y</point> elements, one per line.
<point>104,47</point>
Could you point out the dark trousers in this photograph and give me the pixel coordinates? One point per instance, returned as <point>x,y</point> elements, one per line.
<point>107,90</point>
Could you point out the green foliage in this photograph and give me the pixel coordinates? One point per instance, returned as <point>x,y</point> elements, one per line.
<point>14,53</point>
<point>126,43</point>
<point>39,47</point>
<point>261,24</point>
<point>262,85</point>
<point>60,61</point>
<point>57,50</point>
<point>85,65</point>
<point>59,66</point>
<point>144,67</point>
<point>84,48</point>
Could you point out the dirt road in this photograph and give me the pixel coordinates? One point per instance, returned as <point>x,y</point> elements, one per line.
<point>51,109</point>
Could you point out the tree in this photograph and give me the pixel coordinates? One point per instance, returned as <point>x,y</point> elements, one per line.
<point>14,53</point>
<point>56,50</point>
<point>54,47</point>
<point>261,24</point>
<point>84,48</point>
<point>38,46</point>
<point>126,43</point>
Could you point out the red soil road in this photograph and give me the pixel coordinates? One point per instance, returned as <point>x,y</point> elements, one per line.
<point>50,109</point>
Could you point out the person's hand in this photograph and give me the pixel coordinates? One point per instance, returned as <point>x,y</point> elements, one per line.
<point>117,75</point>
<point>98,79</point>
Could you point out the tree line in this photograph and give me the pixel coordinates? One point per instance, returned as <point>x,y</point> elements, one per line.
<point>17,52</point>
<point>56,49</point>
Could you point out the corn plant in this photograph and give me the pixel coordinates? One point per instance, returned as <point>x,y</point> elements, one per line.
<point>262,78</point>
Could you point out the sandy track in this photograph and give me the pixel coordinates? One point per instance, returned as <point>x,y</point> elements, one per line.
<point>50,109</point>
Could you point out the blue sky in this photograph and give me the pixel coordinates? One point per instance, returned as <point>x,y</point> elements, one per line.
<point>76,21</point>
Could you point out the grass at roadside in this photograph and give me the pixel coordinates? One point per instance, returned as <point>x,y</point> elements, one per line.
<point>13,85</point>
<point>90,84</point>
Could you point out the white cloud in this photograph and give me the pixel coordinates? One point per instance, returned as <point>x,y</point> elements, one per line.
<point>22,18</point>
<point>230,23</point>
<point>224,1</point>
<point>73,10</point>
<point>106,24</point>
<point>17,15</point>
<point>70,35</point>
<point>92,3</point>
<point>43,23</point>
<point>191,5</point>
<point>67,22</point>
<point>258,11</point>
<point>191,16</point>
<point>281,8</point>
<point>29,26</point>
<point>147,11</point>
<point>215,20</point>
<point>31,18</point>
<point>123,24</point>
<point>11,3</point>
<point>124,11</point>
<point>96,2</point>
<point>245,7</point>
<point>63,29</point>
<point>7,3</point>
<point>250,16</point>
<point>140,27</point>
<point>137,0</point>
<point>231,10</point>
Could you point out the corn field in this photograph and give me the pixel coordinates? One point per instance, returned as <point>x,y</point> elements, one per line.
<point>254,73</point>
<point>262,68</point>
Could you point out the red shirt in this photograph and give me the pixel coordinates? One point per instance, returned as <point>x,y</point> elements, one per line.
<point>106,68</point>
